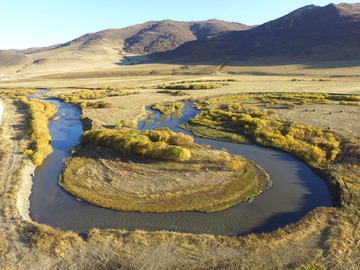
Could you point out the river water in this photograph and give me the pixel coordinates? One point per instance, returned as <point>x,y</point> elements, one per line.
<point>295,191</point>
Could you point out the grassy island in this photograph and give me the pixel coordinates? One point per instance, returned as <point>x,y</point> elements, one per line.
<point>159,171</point>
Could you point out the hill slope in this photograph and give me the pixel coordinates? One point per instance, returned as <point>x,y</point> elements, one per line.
<point>309,34</point>
<point>319,33</point>
<point>149,37</point>
<point>167,35</point>
<point>8,59</point>
<point>35,49</point>
<point>109,48</point>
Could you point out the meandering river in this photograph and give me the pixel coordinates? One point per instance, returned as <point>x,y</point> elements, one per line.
<point>295,191</point>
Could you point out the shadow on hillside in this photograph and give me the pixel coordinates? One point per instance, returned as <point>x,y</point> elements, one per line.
<point>133,60</point>
<point>269,62</point>
<point>307,64</point>
<point>333,64</point>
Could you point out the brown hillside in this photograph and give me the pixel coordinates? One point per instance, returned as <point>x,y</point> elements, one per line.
<point>311,32</point>
<point>8,59</point>
<point>168,35</point>
<point>109,48</point>
<point>36,49</point>
<point>149,37</point>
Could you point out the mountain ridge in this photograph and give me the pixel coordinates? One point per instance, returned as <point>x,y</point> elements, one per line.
<point>149,36</point>
<point>311,32</point>
<point>9,58</point>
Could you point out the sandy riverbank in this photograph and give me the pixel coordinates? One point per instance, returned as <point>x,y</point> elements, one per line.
<point>23,196</point>
<point>26,167</point>
<point>1,111</point>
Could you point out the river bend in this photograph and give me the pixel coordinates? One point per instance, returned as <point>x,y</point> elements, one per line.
<point>295,191</point>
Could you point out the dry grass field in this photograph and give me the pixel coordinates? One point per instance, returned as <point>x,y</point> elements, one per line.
<point>254,76</point>
<point>326,238</point>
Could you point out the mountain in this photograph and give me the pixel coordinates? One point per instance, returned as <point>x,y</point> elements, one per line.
<point>150,37</point>
<point>8,59</point>
<point>167,35</point>
<point>112,47</point>
<point>353,7</point>
<point>317,33</point>
<point>35,49</point>
<point>311,33</point>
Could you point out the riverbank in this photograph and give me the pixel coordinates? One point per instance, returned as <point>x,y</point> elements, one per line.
<point>23,195</point>
<point>16,169</point>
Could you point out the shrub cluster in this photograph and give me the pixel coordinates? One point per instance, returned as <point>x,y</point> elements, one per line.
<point>40,112</point>
<point>151,143</point>
<point>298,98</point>
<point>95,105</point>
<point>17,93</point>
<point>169,109</point>
<point>191,86</point>
<point>126,123</point>
<point>174,93</point>
<point>49,239</point>
<point>81,98</point>
<point>111,88</point>
<point>203,80</point>
<point>308,143</point>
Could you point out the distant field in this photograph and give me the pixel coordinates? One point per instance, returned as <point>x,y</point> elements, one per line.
<point>252,77</point>
<point>244,84</point>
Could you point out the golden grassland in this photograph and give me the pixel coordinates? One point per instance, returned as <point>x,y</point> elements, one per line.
<point>342,177</point>
<point>40,112</point>
<point>195,84</point>
<point>17,93</point>
<point>4,244</point>
<point>227,114</point>
<point>149,95</point>
<point>335,157</point>
<point>251,77</point>
<point>326,238</point>
<point>81,98</point>
<point>147,183</point>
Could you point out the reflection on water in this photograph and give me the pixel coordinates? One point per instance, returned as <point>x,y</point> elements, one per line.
<point>295,191</point>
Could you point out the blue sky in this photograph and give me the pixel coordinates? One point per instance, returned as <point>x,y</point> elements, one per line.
<point>37,23</point>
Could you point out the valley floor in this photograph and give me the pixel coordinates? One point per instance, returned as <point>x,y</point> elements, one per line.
<point>327,238</point>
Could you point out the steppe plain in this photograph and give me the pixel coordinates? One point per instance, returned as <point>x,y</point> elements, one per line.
<point>326,238</point>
